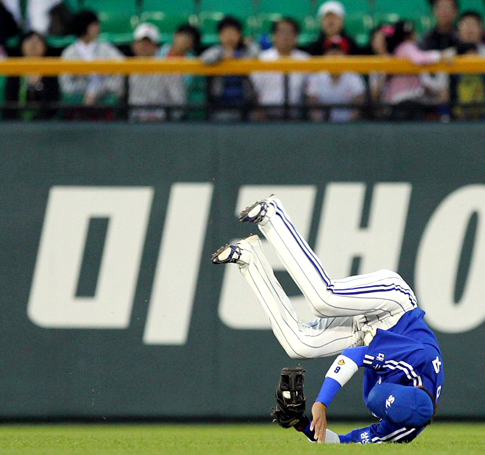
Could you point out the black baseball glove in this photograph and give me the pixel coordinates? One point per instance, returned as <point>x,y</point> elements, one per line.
<point>290,399</point>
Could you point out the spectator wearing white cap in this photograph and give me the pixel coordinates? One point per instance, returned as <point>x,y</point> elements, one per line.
<point>331,16</point>
<point>154,93</point>
<point>325,89</point>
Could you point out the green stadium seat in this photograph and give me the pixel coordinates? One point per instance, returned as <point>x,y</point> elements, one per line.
<point>73,5</point>
<point>167,15</point>
<point>473,5</point>
<point>170,7</point>
<point>359,26</point>
<point>127,8</point>
<point>118,18</point>
<point>386,18</point>
<point>409,10</point>
<point>300,8</point>
<point>239,8</point>
<point>417,11</point>
<point>212,11</point>
<point>60,42</point>
<point>423,23</point>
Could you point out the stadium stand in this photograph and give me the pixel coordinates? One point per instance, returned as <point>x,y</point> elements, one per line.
<point>475,5</point>
<point>167,15</point>
<point>418,11</point>
<point>118,18</point>
<point>73,5</point>
<point>359,21</point>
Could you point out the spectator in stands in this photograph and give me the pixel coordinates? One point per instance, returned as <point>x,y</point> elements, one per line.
<point>407,93</point>
<point>146,90</point>
<point>60,20</point>
<point>8,28</point>
<point>38,14</point>
<point>332,19</point>
<point>271,87</point>
<point>13,7</point>
<point>468,90</point>
<point>93,89</point>
<point>327,89</point>
<point>444,35</point>
<point>24,90</point>
<point>185,43</point>
<point>158,90</point>
<point>377,81</point>
<point>183,89</point>
<point>229,95</point>
<point>470,30</point>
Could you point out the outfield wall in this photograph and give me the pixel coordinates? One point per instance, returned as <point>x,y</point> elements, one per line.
<point>110,306</point>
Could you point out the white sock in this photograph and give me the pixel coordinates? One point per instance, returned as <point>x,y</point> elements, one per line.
<point>331,437</point>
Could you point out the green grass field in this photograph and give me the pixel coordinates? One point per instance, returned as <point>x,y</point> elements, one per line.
<point>442,439</point>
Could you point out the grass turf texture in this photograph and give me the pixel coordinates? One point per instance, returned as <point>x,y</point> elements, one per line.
<point>443,439</point>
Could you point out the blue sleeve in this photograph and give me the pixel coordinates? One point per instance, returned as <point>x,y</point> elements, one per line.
<point>356,354</point>
<point>330,386</point>
<point>328,391</point>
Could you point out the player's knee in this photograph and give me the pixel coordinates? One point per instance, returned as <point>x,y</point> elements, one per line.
<point>302,351</point>
<point>293,350</point>
<point>395,277</point>
<point>290,351</point>
<point>325,309</point>
<point>320,307</point>
<point>315,309</point>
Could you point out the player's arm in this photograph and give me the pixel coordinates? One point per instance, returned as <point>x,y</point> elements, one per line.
<point>342,369</point>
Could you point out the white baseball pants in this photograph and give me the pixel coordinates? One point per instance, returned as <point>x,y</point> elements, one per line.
<point>342,307</point>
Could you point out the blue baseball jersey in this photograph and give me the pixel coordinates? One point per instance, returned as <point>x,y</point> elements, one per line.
<point>407,354</point>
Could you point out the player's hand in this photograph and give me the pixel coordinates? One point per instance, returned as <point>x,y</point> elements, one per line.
<point>319,422</point>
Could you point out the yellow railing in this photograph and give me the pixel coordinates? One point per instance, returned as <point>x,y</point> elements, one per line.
<point>363,65</point>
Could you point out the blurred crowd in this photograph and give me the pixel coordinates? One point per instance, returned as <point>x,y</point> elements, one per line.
<point>260,96</point>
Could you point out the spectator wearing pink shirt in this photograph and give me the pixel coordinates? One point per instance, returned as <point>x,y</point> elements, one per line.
<point>407,93</point>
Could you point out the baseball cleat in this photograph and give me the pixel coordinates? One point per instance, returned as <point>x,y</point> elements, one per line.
<point>255,213</point>
<point>228,254</point>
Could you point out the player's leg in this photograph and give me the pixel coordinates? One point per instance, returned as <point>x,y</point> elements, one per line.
<point>405,406</point>
<point>383,293</point>
<point>319,338</point>
<point>383,432</point>
<point>405,411</point>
